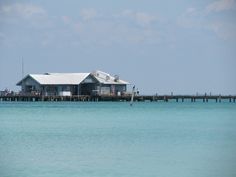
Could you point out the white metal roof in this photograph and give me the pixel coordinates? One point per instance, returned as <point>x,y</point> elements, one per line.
<point>59,78</point>
<point>72,78</point>
<point>106,78</point>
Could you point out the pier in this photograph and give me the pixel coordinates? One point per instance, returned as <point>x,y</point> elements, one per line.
<point>151,98</point>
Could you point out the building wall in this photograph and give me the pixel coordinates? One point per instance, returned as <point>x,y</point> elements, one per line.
<point>90,86</point>
<point>105,90</point>
<point>120,88</point>
<point>110,89</point>
<point>59,90</point>
<point>28,85</point>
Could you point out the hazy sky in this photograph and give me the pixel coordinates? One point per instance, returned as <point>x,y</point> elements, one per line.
<point>180,46</point>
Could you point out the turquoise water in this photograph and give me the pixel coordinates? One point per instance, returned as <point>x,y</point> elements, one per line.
<point>112,139</point>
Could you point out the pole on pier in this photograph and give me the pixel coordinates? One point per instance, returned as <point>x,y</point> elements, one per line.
<point>132,96</point>
<point>165,99</point>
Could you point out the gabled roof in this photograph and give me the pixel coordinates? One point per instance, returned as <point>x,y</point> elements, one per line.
<point>72,78</point>
<point>58,78</point>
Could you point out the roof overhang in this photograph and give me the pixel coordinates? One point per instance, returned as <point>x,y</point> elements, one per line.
<point>29,75</point>
<point>71,79</point>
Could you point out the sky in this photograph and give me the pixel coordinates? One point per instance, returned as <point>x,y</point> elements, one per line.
<point>179,46</point>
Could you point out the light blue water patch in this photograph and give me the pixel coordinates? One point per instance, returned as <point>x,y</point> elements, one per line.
<point>112,139</point>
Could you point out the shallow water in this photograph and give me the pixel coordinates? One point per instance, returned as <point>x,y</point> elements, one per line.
<point>73,139</point>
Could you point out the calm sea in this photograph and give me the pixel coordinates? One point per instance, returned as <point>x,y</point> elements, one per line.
<point>112,139</point>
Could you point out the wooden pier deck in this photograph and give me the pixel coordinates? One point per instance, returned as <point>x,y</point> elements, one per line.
<point>165,98</point>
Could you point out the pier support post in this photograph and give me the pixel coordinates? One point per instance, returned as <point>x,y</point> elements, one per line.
<point>182,99</point>
<point>165,99</point>
<point>220,98</point>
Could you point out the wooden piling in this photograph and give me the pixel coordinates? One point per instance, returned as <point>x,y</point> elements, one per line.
<point>165,98</point>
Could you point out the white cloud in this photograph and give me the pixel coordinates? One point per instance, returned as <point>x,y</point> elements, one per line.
<point>111,28</point>
<point>221,5</point>
<point>88,14</point>
<point>223,29</point>
<point>22,10</point>
<point>144,19</point>
<point>30,15</point>
<point>91,28</point>
<point>141,18</point>
<point>202,19</point>
<point>190,18</point>
<point>23,23</point>
<point>190,10</point>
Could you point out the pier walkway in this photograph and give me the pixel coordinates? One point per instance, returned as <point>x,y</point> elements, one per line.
<point>165,98</point>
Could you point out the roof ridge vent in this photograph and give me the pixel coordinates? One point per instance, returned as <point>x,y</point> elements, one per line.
<point>107,77</point>
<point>116,78</point>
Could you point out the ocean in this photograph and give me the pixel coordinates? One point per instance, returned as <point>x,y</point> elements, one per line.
<point>113,139</point>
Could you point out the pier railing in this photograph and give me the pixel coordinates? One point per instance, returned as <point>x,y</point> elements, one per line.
<point>165,98</point>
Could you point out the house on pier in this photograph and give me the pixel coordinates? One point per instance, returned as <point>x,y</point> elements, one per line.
<point>69,84</point>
